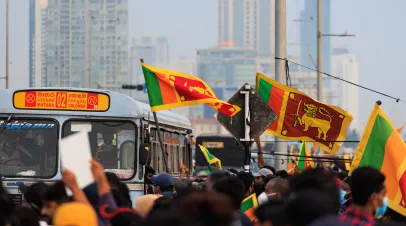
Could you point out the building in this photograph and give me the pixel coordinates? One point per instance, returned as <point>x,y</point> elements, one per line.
<point>231,66</point>
<point>308,33</point>
<point>345,66</point>
<point>248,24</point>
<point>37,48</point>
<point>87,44</point>
<point>207,126</point>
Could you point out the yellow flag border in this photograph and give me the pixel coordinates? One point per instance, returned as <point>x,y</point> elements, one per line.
<point>191,102</point>
<point>346,122</point>
<point>254,200</point>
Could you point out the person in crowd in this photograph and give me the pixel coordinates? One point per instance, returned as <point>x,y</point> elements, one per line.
<point>275,189</point>
<point>34,196</point>
<point>161,204</point>
<point>368,197</point>
<point>345,195</point>
<point>282,174</point>
<point>329,221</point>
<point>25,216</point>
<point>7,207</point>
<point>271,213</point>
<point>248,181</point>
<point>258,189</point>
<point>149,172</point>
<point>214,177</point>
<point>233,188</point>
<point>164,184</point>
<point>144,204</point>
<point>10,155</point>
<point>121,216</point>
<point>271,169</point>
<point>260,177</point>
<point>54,196</point>
<point>75,213</point>
<point>308,205</point>
<point>120,191</point>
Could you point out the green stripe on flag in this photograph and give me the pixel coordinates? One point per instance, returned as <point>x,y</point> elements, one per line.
<point>301,159</point>
<point>264,90</point>
<point>248,204</point>
<point>153,88</point>
<point>375,149</point>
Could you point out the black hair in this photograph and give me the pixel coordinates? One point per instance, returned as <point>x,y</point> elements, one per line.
<point>272,211</point>
<point>300,213</point>
<point>162,204</point>
<point>120,190</point>
<point>282,174</point>
<point>121,216</point>
<point>316,178</point>
<point>364,182</point>
<point>149,169</point>
<point>259,188</point>
<point>7,207</point>
<point>247,179</point>
<point>232,187</point>
<point>218,175</point>
<point>25,217</point>
<point>57,193</point>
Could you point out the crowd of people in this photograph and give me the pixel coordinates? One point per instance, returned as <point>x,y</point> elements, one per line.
<point>313,197</point>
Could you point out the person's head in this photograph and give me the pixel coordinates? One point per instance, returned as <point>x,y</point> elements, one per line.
<point>149,172</point>
<point>345,192</point>
<point>270,168</point>
<point>54,196</point>
<point>108,138</point>
<point>163,182</point>
<point>233,188</point>
<point>214,177</point>
<point>144,204</point>
<point>261,176</point>
<point>248,181</point>
<point>208,208</point>
<point>271,213</point>
<point>307,205</point>
<point>121,216</point>
<point>368,189</point>
<point>282,174</point>
<point>34,196</point>
<point>317,178</point>
<point>277,188</point>
<point>25,216</point>
<point>75,213</point>
<point>162,204</point>
<point>120,190</point>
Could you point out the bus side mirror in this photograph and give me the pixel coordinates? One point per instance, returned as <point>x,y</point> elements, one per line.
<point>144,154</point>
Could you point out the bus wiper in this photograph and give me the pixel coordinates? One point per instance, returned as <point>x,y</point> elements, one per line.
<point>5,125</point>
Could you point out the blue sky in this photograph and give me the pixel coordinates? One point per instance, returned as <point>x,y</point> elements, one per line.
<point>191,24</point>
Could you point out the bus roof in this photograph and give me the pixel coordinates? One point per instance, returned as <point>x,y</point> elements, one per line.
<point>120,105</point>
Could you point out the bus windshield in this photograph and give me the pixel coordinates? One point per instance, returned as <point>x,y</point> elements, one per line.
<point>112,144</point>
<point>28,148</point>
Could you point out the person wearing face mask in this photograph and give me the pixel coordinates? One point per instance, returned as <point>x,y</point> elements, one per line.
<point>369,199</point>
<point>345,195</point>
<point>275,189</point>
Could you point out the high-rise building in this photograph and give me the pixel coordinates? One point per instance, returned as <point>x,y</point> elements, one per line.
<point>37,48</point>
<point>231,66</point>
<point>87,43</point>
<point>345,66</point>
<point>308,33</point>
<point>246,23</point>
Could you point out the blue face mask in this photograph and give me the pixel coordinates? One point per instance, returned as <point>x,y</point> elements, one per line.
<point>342,197</point>
<point>380,211</point>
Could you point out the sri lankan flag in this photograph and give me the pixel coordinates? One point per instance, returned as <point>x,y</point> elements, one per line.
<point>303,118</point>
<point>170,89</point>
<point>249,205</point>
<point>210,158</point>
<point>382,147</point>
<point>303,161</point>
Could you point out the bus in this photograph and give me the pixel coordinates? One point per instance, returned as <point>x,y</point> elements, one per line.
<point>230,152</point>
<point>33,121</point>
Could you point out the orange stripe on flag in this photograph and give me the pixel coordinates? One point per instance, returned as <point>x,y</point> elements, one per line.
<point>391,162</point>
<point>168,94</point>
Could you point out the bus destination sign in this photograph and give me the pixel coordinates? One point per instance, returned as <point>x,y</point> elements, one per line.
<point>61,100</point>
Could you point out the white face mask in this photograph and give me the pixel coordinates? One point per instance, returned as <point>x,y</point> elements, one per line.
<point>262,198</point>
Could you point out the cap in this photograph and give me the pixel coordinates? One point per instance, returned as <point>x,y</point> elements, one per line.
<point>163,180</point>
<point>263,172</point>
<point>34,194</point>
<point>75,213</point>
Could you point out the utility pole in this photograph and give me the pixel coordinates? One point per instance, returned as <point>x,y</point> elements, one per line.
<point>7,34</point>
<point>280,70</point>
<point>319,53</point>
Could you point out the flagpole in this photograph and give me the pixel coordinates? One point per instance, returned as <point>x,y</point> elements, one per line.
<point>164,154</point>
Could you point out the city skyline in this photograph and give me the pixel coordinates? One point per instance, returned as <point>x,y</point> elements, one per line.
<point>199,17</point>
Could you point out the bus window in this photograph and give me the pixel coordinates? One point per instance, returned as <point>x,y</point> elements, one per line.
<point>28,148</point>
<point>112,144</point>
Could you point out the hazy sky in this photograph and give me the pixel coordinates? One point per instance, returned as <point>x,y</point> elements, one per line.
<point>191,24</point>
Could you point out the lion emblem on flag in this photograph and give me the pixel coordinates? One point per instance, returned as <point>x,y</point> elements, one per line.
<point>309,119</point>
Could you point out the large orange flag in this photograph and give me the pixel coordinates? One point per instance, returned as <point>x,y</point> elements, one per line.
<point>170,89</point>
